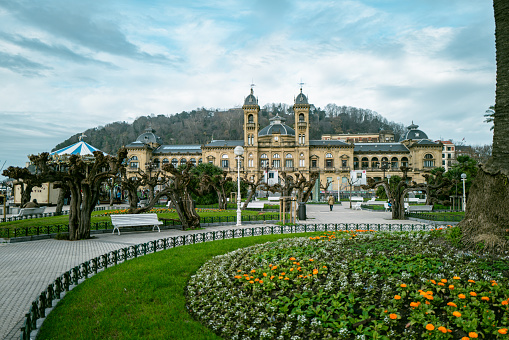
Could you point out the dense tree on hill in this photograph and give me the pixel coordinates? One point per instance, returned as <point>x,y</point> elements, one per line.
<point>202,125</point>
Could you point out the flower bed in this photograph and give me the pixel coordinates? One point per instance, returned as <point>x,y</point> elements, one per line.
<point>352,285</point>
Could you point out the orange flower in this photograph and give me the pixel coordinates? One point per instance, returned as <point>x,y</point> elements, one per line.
<point>473,293</point>
<point>251,281</point>
<point>442,329</point>
<point>430,327</point>
<point>253,271</point>
<point>238,277</point>
<point>287,278</point>
<point>441,284</point>
<point>397,297</point>
<point>502,330</point>
<point>451,287</point>
<point>494,284</point>
<point>311,260</point>
<point>283,274</point>
<point>257,279</point>
<point>452,304</point>
<point>324,267</point>
<point>272,277</point>
<point>485,298</point>
<point>465,338</point>
<point>472,334</point>
<point>461,296</point>
<point>238,271</point>
<point>402,285</point>
<point>291,269</point>
<point>315,271</point>
<point>433,281</point>
<point>456,314</point>
<point>393,316</point>
<point>505,303</point>
<point>292,258</point>
<point>471,281</point>
<point>444,280</point>
<point>264,274</point>
<point>260,281</point>
<point>414,304</point>
<point>280,277</point>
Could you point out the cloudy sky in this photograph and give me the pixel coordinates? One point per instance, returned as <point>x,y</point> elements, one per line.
<point>66,65</point>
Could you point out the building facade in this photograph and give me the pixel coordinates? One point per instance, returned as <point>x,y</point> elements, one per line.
<point>279,147</point>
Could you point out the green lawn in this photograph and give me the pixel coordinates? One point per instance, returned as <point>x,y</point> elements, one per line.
<point>343,285</point>
<point>140,299</point>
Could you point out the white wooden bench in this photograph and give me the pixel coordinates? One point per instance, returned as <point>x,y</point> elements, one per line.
<point>357,199</point>
<point>427,208</point>
<point>255,205</point>
<point>274,199</point>
<point>30,211</point>
<point>135,220</point>
<point>357,206</point>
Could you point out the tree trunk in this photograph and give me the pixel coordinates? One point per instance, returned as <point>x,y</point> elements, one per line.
<point>74,211</point>
<point>26,193</point>
<point>186,210</point>
<point>60,201</point>
<point>133,199</point>
<point>486,219</point>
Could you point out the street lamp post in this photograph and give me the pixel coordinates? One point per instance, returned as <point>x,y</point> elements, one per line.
<point>238,151</point>
<point>339,198</point>
<point>464,178</point>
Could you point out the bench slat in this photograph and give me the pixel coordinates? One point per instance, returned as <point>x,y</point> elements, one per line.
<point>135,220</point>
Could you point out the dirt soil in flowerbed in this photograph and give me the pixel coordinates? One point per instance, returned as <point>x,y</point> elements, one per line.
<point>353,285</point>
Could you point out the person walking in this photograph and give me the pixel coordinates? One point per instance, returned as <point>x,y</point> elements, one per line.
<point>331,202</point>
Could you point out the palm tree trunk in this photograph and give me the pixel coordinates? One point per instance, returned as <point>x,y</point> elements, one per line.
<point>487,216</point>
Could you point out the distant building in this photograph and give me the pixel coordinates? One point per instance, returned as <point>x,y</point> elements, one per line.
<point>279,147</point>
<point>448,154</point>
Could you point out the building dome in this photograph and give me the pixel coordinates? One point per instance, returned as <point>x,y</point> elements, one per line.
<point>148,136</point>
<point>251,99</point>
<point>414,133</point>
<point>301,98</point>
<point>278,126</point>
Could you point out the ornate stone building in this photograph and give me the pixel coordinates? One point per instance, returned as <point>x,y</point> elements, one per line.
<point>279,147</point>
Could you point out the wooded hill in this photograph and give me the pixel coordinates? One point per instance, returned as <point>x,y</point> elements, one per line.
<point>200,126</point>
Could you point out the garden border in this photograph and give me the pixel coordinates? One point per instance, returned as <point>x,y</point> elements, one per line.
<point>70,279</point>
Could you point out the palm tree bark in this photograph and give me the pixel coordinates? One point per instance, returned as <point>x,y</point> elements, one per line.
<point>487,216</point>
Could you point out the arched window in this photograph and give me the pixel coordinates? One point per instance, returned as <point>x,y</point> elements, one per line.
<point>375,164</point>
<point>174,162</point>
<point>200,161</point>
<point>276,162</point>
<point>289,161</point>
<point>157,163</point>
<point>394,162</point>
<point>429,162</point>
<point>355,163</point>
<point>364,163</point>
<point>165,161</point>
<point>224,161</point>
<point>134,158</point>
<point>329,162</point>
<point>288,155</point>
<point>183,161</point>
<point>301,117</point>
<point>404,161</point>
<point>193,161</point>
<point>263,155</point>
<point>250,119</point>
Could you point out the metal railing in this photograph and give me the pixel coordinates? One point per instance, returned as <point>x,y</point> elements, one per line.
<point>50,214</point>
<point>76,275</point>
<point>104,225</point>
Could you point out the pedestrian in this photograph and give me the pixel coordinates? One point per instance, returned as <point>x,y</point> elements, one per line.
<point>331,202</point>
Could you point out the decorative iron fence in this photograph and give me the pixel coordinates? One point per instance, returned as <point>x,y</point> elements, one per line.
<point>64,228</point>
<point>50,214</point>
<point>435,217</point>
<point>76,275</point>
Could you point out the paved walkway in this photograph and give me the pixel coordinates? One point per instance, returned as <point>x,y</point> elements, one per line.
<point>27,268</point>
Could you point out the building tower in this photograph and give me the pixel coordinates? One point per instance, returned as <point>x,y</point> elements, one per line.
<point>251,111</point>
<point>301,111</point>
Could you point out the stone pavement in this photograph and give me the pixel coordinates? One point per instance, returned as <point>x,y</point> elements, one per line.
<point>27,268</point>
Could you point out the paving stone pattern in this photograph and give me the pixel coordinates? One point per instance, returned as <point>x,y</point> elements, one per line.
<point>27,268</point>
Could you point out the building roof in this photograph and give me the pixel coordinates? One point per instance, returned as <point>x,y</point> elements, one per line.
<point>414,133</point>
<point>251,99</point>
<point>148,136</point>
<point>81,148</point>
<point>178,149</point>
<point>225,143</point>
<point>426,142</point>
<point>301,98</point>
<point>277,125</point>
<point>328,143</point>
<point>379,147</point>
